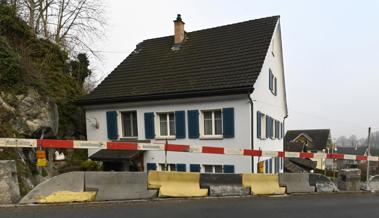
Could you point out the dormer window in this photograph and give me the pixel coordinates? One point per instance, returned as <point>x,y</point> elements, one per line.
<point>273,84</point>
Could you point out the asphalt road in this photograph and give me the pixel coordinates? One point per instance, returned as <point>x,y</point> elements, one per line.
<point>305,206</point>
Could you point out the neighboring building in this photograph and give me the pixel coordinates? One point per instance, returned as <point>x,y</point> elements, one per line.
<point>310,140</point>
<point>222,86</point>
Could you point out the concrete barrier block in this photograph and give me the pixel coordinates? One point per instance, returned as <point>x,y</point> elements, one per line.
<point>223,184</point>
<point>262,184</point>
<point>72,182</point>
<point>322,183</point>
<point>9,189</point>
<point>296,182</point>
<point>349,180</point>
<point>66,197</point>
<point>176,184</point>
<point>118,185</point>
<point>374,183</point>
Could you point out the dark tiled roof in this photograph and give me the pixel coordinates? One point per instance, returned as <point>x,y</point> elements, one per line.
<point>319,137</point>
<point>220,60</point>
<point>293,146</point>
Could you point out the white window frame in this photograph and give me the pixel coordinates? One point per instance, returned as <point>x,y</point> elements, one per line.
<point>272,128</point>
<point>213,168</point>
<point>274,89</point>
<point>121,123</point>
<point>202,127</point>
<point>158,126</point>
<point>169,167</point>
<point>263,127</point>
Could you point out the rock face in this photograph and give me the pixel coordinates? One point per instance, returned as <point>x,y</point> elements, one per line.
<point>9,190</point>
<point>30,112</point>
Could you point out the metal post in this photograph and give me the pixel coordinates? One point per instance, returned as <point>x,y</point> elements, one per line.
<point>368,154</point>
<point>165,156</point>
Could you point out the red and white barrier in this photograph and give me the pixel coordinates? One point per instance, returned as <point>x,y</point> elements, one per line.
<point>71,144</point>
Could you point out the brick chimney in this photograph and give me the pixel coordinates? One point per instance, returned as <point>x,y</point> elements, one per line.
<point>179,30</point>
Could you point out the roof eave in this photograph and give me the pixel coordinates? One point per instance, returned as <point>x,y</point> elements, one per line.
<point>164,96</point>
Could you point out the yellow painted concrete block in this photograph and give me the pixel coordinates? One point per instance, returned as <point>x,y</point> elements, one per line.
<point>263,184</point>
<point>176,184</point>
<point>67,196</point>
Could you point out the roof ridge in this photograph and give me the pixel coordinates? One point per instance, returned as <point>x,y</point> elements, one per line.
<point>216,27</point>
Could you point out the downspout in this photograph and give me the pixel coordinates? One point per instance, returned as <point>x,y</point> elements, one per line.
<point>252,130</point>
<point>283,134</point>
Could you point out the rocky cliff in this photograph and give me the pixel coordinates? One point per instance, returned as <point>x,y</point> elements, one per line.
<point>38,90</point>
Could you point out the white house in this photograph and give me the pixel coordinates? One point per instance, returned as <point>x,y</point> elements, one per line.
<point>222,86</point>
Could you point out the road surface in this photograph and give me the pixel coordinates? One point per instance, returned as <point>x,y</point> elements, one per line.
<point>304,206</point>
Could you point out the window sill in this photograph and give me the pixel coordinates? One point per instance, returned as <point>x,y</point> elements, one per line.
<point>129,137</point>
<point>212,137</point>
<point>165,137</point>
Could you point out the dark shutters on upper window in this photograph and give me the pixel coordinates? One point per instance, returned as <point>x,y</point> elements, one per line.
<point>267,126</point>
<point>180,124</point>
<point>259,125</point>
<point>275,86</point>
<point>270,80</point>
<point>276,129</point>
<point>112,129</point>
<point>149,125</point>
<point>193,124</point>
<point>228,122</point>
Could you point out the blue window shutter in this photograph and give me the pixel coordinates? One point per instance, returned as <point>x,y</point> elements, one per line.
<point>271,128</point>
<point>112,125</point>
<point>194,167</point>
<point>193,124</point>
<point>180,124</point>
<point>270,82</point>
<point>149,126</point>
<point>151,166</point>
<point>276,86</point>
<point>181,167</point>
<point>266,166</point>
<point>228,122</point>
<point>259,125</point>
<point>228,168</point>
<point>277,129</point>
<point>267,126</point>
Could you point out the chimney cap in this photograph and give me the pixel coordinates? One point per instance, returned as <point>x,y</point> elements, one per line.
<point>179,18</point>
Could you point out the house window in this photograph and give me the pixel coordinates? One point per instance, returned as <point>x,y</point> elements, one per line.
<point>129,124</point>
<point>261,125</point>
<point>273,83</point>
<point>170,167</point>
<point>212,123</point>
<point>166,123</point>
<point>212,168</point>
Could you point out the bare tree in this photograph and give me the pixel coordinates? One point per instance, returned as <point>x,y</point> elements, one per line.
<point>73,24</point>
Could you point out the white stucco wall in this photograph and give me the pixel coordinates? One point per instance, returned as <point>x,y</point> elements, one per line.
<point>241,138</point>
<point>264,100</point>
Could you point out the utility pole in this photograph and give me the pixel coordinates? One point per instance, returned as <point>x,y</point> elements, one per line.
<point>368,159</point>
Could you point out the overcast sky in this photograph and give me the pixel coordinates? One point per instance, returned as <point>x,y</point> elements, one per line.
<point>330,48</point>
